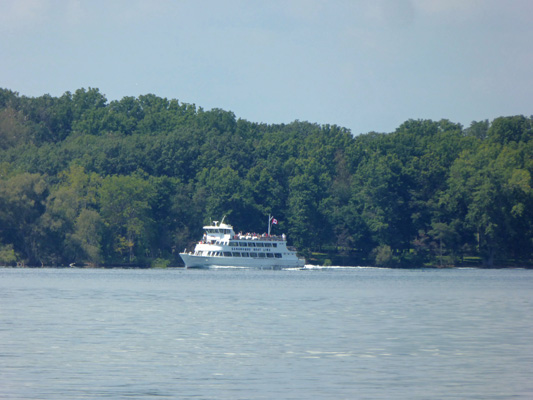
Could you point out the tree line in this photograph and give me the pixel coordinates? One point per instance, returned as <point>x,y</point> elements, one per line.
<point>131,182</point>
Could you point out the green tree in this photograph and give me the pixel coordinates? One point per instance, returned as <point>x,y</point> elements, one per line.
<point>491,190</point>
<point>125,207</point>
<point>303,214</point>
<point>384,196</point>
<point>12,128</point>
<point>505,130</point>
<point>222,190</point>
<point>7,255</point>
<point>22,202</point>
<point>89,108</point>
<point>87,237</point>
<point>478,129</point>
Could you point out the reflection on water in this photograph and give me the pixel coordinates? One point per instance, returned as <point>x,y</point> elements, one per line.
<point>246,334</point>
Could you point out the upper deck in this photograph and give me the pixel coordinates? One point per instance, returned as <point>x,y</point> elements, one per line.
<point>263,237</point>
<point>221,232</point>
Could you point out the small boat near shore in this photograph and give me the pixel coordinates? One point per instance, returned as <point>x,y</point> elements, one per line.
<point>222,247</point>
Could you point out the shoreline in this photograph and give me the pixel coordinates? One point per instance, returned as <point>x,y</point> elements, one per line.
<point>307,266</point>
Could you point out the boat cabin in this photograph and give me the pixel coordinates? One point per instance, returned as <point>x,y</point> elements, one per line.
<point>218,232</point>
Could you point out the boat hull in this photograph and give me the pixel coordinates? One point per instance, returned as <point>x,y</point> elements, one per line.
<point>194,261</point>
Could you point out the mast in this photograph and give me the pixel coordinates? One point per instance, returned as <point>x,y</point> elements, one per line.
<point>270,219</point>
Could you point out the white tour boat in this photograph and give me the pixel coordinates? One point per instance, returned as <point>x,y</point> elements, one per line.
<point>222,247</point>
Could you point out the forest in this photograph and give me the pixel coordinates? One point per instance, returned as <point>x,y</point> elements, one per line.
<point>92,182</point>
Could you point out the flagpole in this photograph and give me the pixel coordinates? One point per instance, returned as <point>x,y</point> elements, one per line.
<point>269,219</point>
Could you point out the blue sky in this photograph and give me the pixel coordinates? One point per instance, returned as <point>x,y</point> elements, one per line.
<point>364,65</point>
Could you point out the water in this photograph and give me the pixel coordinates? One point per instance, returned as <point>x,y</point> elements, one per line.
<point>247,334</point>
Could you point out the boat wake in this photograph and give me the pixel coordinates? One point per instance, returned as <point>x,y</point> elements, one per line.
<point>329,267</point>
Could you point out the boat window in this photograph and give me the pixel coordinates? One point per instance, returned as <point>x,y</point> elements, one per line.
<point>242,244</point>
<point>233,243</point>
<point>245,254</point>
<point>274,245</point>
<point>261,255</point>
<point>268,244</point>
<point>227,254</point>
<point>277,255</point>
<point>259,244</point>
<point>253,255</point>
<point>270,255</point>
<point>235,254</point>
<point>251,244</point>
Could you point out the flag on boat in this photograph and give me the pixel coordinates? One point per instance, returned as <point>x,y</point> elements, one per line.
<point>274,221</point>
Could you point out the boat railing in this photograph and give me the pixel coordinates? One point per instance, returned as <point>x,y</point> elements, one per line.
<point>263,237</point>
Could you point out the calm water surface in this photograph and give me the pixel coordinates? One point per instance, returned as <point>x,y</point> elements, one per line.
<point>246,334</point>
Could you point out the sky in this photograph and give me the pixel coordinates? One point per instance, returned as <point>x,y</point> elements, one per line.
<point>366,65</point>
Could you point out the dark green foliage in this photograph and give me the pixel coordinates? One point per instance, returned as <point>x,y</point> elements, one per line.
<point>133,181</point>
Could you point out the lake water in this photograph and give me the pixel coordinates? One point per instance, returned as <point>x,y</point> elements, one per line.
<point>335,333</point>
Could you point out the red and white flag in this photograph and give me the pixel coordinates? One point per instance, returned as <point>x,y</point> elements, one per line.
<point>274,221</point>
